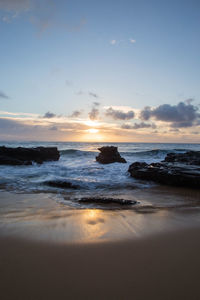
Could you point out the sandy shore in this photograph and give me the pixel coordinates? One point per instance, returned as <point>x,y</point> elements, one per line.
<point>163,266</point>
<point>158,267</point>
<point>49,250</point>
<point>41,217</point>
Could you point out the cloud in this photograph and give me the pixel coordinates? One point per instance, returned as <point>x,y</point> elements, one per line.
<point>49,115</point>
<point>39,129</point>
<point>45,16</point>
<point>96,103</point>
<point>94,95</point>
<point>119,115</point>
<point>15,5</point>
<point>76,113</point>
<point>19,115</point>
<point>189,101</point>
<point>9,124</point>
<point>6,19</point>
<point>132,41</point>
<point>138,126</point>
<point>174,130</point>
<point>3,95</point>
<point>180,115</point>
<point>91,94</point>
<point>42,14</point>
<point>79,93</point>
<point>54,128</point>
<point>24,126</point>
<point>182,124</point>
<point>93,114</point>
<point>39,13</point>
<point>113,42</point>
<point>68,83</point>
<point>78,27</point>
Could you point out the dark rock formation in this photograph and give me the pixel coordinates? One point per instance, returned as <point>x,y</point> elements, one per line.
<point>25,156</point>
<point>94,200</point>
<point>176,170</point>
<point>108,155</point>
<point>190,158</point>
<point>60,184</point>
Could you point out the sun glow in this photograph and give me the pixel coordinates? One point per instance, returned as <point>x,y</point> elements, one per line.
<point>92,135</point>
<point>92,123</point>
<point>93,130</point>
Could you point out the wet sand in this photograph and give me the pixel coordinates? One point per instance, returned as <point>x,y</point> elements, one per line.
<point>49,250</point>
<point>42,217</point>
<point>164,266</point>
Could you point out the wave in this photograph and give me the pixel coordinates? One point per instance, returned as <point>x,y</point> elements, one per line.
<point>154,152</point>
<point>76,152</point>
<point>147,152</point>
<point>158,153</point>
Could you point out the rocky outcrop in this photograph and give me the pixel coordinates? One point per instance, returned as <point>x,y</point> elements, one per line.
<point>189,158</point>
<point>108,155</point>
<point>60,184</point>
<point>176,170</point>
<point>94,200</point>
<point>25,156</point>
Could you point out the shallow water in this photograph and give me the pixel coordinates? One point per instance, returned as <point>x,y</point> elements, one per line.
<point>77,165</point>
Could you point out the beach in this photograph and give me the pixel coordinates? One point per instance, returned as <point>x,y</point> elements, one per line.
<point>54,244</point>
<point>52,251</point>
<point>164,266</point>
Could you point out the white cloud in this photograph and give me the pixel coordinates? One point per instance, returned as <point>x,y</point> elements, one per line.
<point>18,114</point>
<point>113,42</point>
<point>132,41</point>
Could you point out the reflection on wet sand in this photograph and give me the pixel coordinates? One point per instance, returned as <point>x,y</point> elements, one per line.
<point>41,217</point>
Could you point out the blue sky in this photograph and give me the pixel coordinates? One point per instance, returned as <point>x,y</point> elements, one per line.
<point>62,56</point>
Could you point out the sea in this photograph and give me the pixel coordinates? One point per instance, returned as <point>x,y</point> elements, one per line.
<point>78,165</point>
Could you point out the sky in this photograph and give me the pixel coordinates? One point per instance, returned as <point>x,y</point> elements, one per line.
<point>104,71</point>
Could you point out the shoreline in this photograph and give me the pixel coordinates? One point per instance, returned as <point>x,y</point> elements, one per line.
<point>161,266</point>
<point>43,217</point>
<point>50,250</point>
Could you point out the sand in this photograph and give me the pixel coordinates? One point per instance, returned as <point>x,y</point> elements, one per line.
<point>49,250</point>
<point>161,266</point>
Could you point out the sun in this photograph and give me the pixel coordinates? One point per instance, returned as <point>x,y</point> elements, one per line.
<point>93,130</point>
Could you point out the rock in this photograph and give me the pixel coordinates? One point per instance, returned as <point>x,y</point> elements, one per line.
<point>190,157</point>
<point>108,155</point>
<point>25,156</point>
<point>175,170</point>
<point>93,200</point>
<point>60,184</point>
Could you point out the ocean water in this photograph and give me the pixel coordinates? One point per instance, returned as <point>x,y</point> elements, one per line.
<point>77,165</point>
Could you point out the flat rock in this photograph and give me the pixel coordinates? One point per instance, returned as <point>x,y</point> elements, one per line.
<point>60,184</point>
<point>94,200</point>
<point>108,155</point>
<point>25,156</point>
<point>175,170</point>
